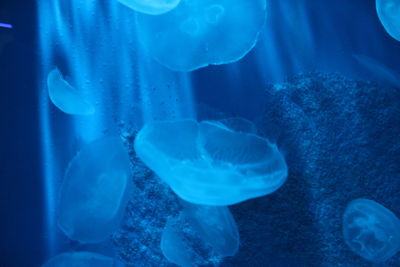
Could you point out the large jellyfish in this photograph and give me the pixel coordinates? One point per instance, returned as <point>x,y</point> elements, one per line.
<point>389,15</point>
<point>371,230</point>
<point>95,191</point>
<point>198,33</point>
<point>151,7</point>
<point>81,259</point>
<point>200,235</point>
<point>206,163</point>
<point>65,97</point>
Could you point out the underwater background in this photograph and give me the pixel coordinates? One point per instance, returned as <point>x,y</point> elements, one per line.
<point>322,83</point>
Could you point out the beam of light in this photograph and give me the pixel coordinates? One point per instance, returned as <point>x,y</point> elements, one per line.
<point>95,46</point>
<point>6,25</point>
<point>47,155</point>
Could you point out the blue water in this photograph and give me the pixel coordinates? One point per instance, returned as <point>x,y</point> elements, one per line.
<point>334,115</point>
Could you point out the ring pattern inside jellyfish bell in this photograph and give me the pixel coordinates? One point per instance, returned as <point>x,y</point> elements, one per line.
<point>200,33</point>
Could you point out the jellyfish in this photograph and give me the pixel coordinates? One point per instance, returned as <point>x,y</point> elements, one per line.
<point>200,235</point>
<point>65,97</point>
<point>198,33</point>
<point>95,191</point>
<point>216,226</point>
<point>209,164</point>
<point>371,230</point>
<point>174,245</point>
<point>82,259</point>
<point>389,15</point>
<point>151,7</point>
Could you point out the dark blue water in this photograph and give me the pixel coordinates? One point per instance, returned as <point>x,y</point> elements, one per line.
<point>339,131</point>
<point>23,240</point>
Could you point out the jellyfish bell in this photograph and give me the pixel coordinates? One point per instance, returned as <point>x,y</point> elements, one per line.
<point>200,235</point>
<point>389,15</point>
<point>371,230</point>
<point>65,97</point>
<point>209,164</point>
<point>151,7</point>
<point>95,191</point>
<point>200,33</point>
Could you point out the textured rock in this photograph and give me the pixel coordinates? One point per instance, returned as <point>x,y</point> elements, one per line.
<point>138,240</point>
<point>341,142</point>
<point>341,139</point>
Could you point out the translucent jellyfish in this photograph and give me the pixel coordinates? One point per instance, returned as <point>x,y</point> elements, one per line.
<point>371,230</point>
<point>174,245</point>
<point>207,164</point>
<point>65,97</point>
<point>200,235</point>
<point>216,226</point>
<point>151,7</point>
<point>200,33</point>
<point>389,15</point>
<point>81,259</point>
<point>95,191</point>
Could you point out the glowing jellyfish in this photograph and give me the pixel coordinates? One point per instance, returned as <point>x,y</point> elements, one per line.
<point>199,235</point>
<point>81,259</point>
<point>389,15</point>
<point>207,164</point>
<point>371,230</point>
<point>174,245</point>
<point>200,33</point>
<point>65,97</point>
<point>151,7</point>
<point>95,191</point>
<point>216,226</point>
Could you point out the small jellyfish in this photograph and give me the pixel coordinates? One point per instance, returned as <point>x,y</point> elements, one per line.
<point>216,226</point>
<point>200,33</point>
<point>174,244</point>
<point>65,97</point>
<point>81,259</point>
<point>389,15</point>
<point>151,7</point>
<point>95,191</point>
<point>371,230</point>
<point>200,235</point>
